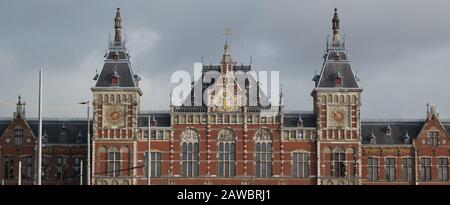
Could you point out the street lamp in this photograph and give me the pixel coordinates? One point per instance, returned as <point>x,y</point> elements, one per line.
<point>88,172</point>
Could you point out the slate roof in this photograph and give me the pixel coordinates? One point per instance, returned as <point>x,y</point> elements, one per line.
<point>123,68</point>
<point>162,118</point>
<point>398,130</point>
<point>291,119</point>
<point>330,71</point>
<point>58,131</point>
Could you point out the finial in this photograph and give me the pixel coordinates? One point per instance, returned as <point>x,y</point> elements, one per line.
<point>335,27</point>
<point>118,27</point>
<point>19,102</point>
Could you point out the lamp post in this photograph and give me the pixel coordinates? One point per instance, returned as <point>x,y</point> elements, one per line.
<point>149,152</point>
<point>88,171</point>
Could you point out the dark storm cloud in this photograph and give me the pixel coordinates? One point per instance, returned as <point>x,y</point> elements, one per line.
<point>399,48</point>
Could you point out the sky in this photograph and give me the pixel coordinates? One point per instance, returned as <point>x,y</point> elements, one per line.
<point>400,49</point>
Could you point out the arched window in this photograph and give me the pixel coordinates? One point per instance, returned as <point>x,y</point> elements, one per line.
<point>18,135</point>
<point>263,153</point>
<point>190,153</point>
<point>338,163</point>
<point>113,162</point>
<point>227,153</point>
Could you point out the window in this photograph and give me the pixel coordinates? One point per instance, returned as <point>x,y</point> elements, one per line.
<point>338,163</point>
<point>433,137</point>
<point>390,169</point>
<point>300,165</point>
<point>408,169</point>
<point>155,164</point>
<point>79,138</point>
<point>113,163</point>
<point>61,168</point>
<point>26,167</point>
<point>160,135</point>
<point>18,135</point>
<point>300,135</point>
<point>443,169</point>
<point>45,167</point>
<point>153,135</point>
<point>77,167</point>
<point>373,169</point>
<point>263,153</point>
<point>226,153</point>
<point>190,153</point>
<point>425,169</point>
<point>8,171</point>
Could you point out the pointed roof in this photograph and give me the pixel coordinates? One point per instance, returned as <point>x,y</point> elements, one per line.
<point>336,63</point>
<point>117,62</point>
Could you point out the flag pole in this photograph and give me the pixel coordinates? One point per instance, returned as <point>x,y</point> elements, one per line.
<point>39,160</point>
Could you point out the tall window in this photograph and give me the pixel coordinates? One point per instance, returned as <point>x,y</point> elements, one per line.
<point>77,167</point>
<point>433,137</point>
<point>443,169</point>
<point>373,169</point>
<point>45,167</point>
<point>155,164</point>
<point>113,162</point>
<point>227,153</point>
<point>190,153</point>
<point>390,169</point>
<point>18,135</point>
<point>300,164</point>
<point>263,153</point>
<point>338,163</point>
<point>26,167</point>
<point>408,169</point>
<point>425,169</point>
<point>8,162</point>
<point>61,167</point>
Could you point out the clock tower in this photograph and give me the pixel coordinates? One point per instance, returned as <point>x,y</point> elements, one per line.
<point>337,102</point>
<point>116,101</point>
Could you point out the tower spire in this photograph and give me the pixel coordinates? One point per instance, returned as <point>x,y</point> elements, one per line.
<point>335,27</point>
<point>118,28</point>
<point>227,61</point>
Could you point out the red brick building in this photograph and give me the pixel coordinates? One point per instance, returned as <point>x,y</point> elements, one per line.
<point>232,143</point>
<point>64,149</point>
<point>234,136</point>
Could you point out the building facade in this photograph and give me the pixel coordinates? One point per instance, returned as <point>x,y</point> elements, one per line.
<point>63,153</point>
<point>237,135</point>
<point>236,142</point>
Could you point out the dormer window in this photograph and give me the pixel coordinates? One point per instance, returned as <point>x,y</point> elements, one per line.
<point>116,56</point>
<point>372,139</point>
<point>63,131</point>
<point>338,78</point>
<point>79,138</point>
<point>387,130</point>
<point>115,79</point>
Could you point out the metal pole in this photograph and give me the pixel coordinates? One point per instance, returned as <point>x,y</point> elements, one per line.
<point>20,173</point>
<point>39,157</point>
<point>88,148</point>
<point>149,153</point>
<point>81,172</point>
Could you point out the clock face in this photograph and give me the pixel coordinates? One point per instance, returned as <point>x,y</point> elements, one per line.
<point>338,116</point>
<point>114,116</point>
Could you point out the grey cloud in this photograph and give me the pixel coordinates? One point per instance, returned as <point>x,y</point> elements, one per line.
<point>399,48</point>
